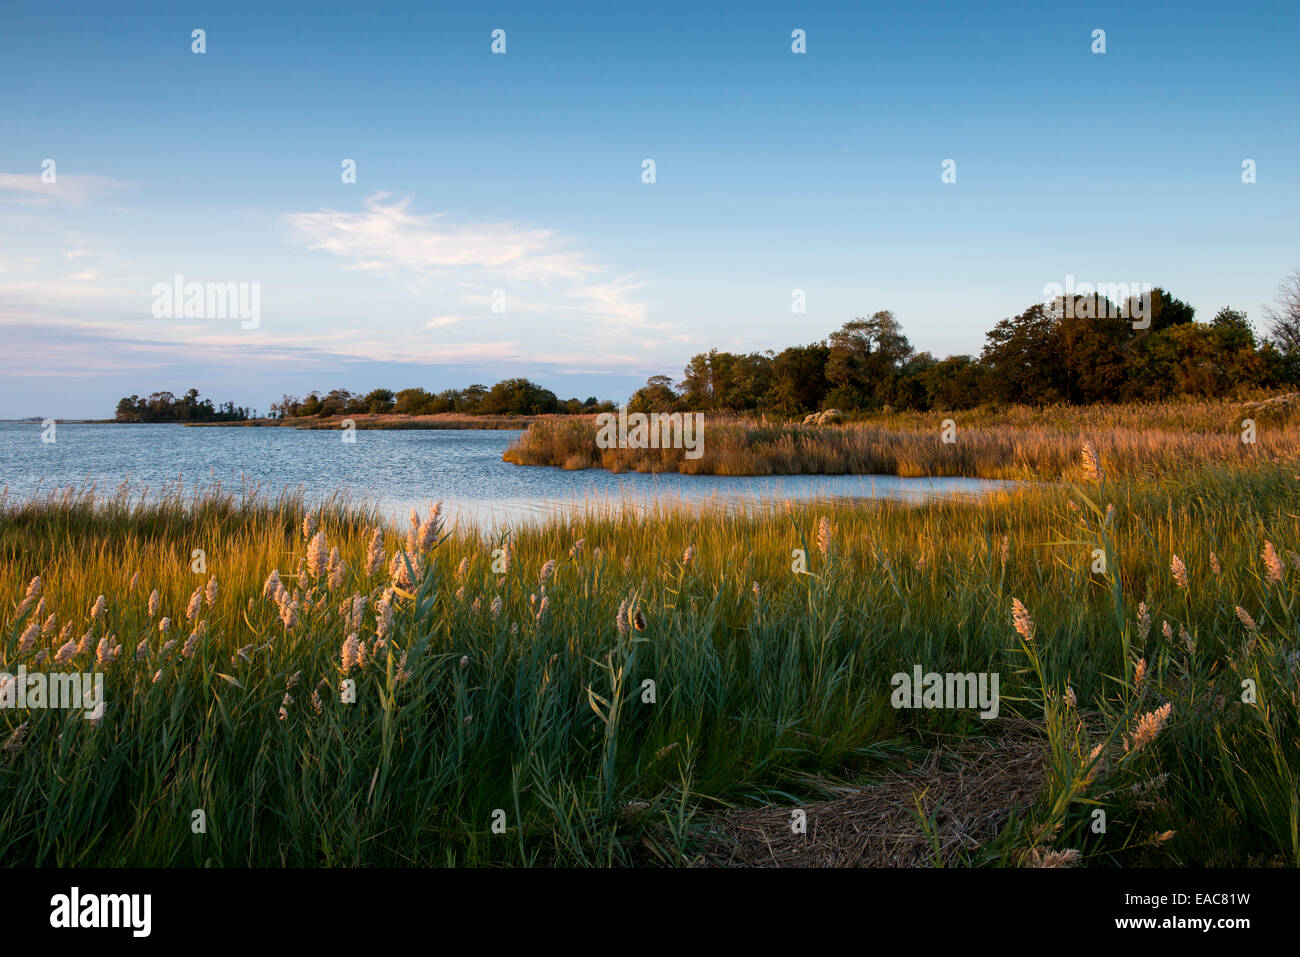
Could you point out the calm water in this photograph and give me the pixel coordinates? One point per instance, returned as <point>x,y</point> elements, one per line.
<point>397,470</point>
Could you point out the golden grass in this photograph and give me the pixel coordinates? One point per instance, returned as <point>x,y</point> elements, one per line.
<point>1016,443</point>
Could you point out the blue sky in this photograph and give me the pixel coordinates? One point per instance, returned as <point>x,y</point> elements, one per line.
<point>775,171</point>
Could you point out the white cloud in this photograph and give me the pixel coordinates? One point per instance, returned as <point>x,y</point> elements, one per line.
<point>388,234</point>
<point>538,269</point>
<point>72,188</point>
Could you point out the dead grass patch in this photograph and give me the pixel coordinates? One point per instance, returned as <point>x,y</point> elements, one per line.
<point>970,786</point>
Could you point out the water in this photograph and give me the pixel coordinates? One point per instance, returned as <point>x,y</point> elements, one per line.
<point>394,469</point>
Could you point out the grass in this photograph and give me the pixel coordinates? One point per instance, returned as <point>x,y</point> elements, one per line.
<point>770,685</point>
<point>1020,442</point>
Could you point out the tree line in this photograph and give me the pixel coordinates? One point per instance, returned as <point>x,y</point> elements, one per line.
<point>507,397</point>
<point>1077,349</point>
<point>165,407</point>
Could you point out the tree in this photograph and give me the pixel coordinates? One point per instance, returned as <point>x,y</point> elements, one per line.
<point>908,390</point>
<point>1168,311</point>
<point>379,401</point>
<point>1233,322</point>
<point>519,397</point>
<point>704,381</point>
<point>411,402</point>
<point>1093,341</point>
<point>953,384</point>
<point>656,395</point>
<point>470,399</point>
<point>129,409</point>
<point>1284,326</point>
<point>1023,358</point>
<point>287,408</point>
<point>337,402</point>
<point>865,356</point>
<point>1216,359</point>
<point>798,379</point>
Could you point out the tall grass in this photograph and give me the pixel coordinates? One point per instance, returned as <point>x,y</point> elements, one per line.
<point>1017,443</point>
<point>490,698</point>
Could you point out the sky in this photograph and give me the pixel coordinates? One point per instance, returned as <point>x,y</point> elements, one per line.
<point>500,223</point>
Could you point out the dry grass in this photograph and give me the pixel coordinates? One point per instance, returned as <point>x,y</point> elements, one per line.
<point>942,811</point>
<point>1017,443</point>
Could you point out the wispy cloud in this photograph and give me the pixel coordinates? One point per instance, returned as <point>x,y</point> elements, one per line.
<point>72,188</point>
<point>388,234</point>
<point>539,270</point>
<point>442,322</point>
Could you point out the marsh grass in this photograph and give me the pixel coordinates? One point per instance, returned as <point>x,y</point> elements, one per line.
<point>1019,442</point>
<point>487,693</point>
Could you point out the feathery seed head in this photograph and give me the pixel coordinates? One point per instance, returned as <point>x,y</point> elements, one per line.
<point>29,636</point>
<point>1091,462</point>
<point>374,553</point>
<point>66,653</point>
<point>350,653</point>
<point>1144,621</point>
<point>1149,725</point>
<point>317,554</point>
<point>29,599</point>
<point>1180,572</point>
<point>336,568</point>
<point>1020,619</point>
<point>1272,564</point>
<point>824,533</point>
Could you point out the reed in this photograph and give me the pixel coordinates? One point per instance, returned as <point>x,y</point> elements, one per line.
<point>504,681</point>
<point>1017,443</point>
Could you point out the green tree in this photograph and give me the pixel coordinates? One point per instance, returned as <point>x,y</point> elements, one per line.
<point>953,384</point>
<point>1022,356</point>
<point>519,397</point>
<point>656,395</point>
<point>379,401</point>
<point>864,360</point>
<point>411,402</point>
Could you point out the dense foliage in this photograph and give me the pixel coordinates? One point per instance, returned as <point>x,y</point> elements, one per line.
<point>1079,350</point>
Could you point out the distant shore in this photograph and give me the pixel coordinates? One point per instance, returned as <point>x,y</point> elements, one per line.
<point>444,420</point>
